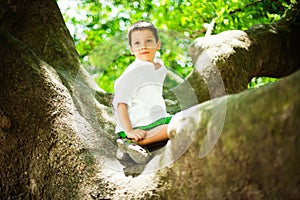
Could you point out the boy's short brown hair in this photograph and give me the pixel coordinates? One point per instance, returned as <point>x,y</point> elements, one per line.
<point>142,25</point>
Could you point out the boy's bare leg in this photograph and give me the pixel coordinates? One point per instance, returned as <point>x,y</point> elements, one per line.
<point>156,134</point>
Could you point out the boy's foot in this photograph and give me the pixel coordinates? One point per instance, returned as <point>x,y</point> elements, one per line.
<point>138,153</point>
<point>135,151</point>
<point>122,155</point>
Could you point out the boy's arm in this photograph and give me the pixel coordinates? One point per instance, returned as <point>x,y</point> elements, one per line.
<point>135,134</point>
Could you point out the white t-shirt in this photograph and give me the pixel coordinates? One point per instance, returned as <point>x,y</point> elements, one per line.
<point>140,87</point>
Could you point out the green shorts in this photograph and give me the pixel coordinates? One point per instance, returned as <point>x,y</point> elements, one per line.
<point>161,121</point>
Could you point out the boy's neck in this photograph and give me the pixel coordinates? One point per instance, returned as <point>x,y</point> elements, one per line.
<point>156,64</point>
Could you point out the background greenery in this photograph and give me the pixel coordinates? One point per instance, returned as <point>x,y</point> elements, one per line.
<point>99,29</point>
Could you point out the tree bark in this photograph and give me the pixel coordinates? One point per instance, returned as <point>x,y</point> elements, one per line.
<point>56,124</point>
<point>225,63</point>
<point>256,154</point>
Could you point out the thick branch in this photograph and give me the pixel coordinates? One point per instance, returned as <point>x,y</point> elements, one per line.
<point>256,154</point>
<point>238,56</point>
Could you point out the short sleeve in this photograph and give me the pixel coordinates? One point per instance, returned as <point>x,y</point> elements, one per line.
<point>122,92</point>
<point>127,84</point>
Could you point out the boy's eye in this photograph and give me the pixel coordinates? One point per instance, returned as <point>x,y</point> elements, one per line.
<point>149,41</point>
<point>136,43</point>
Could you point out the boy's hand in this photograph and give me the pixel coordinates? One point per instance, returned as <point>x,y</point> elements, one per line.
<point>136,134</point>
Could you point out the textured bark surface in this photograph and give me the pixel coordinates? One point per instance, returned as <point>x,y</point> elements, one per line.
<point>56,125</point>
<point>256,156</point>
<point>50,104</point>
<point>225,63</point>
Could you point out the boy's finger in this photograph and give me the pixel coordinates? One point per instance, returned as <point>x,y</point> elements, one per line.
<point>142,131</point>
<point>143,134</point>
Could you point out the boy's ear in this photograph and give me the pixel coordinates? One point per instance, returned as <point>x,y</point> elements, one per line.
<point>158,45</point>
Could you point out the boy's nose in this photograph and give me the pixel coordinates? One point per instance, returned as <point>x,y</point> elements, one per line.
<point>144,46</point>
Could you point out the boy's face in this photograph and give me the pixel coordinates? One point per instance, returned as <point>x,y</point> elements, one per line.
<point>144,45</point>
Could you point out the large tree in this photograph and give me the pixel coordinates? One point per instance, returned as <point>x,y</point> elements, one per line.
<point>56,124</point>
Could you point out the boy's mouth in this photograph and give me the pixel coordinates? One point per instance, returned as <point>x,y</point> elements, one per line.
<point>145,52</point>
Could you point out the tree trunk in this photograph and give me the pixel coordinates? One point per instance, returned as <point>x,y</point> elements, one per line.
<point>56,125</point>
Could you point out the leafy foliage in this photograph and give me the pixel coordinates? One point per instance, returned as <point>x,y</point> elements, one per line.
<point>99,29</point>
<point>257,82</point>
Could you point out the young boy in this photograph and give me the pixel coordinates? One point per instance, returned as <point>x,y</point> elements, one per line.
<point>139,106</point>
